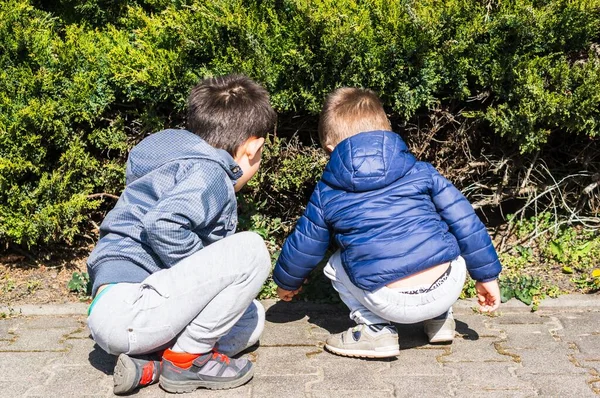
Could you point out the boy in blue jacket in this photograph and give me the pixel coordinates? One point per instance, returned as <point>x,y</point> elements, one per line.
<point>168,271</point>
<point>406,235</point>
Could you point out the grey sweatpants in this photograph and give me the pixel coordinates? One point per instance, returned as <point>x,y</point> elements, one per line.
<point>203,300</point>
<point>385,304</point>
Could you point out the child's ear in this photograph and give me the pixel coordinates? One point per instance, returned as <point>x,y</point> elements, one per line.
<point>329,148</point>
<point>253,146</point>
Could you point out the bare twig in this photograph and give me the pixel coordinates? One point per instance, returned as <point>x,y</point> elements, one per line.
<point>102,195</point>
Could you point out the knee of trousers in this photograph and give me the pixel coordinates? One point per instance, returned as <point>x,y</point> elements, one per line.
<point>254,245</point>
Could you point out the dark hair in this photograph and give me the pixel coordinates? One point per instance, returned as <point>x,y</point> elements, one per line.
<point>226,111</point>
<point>348,111</point>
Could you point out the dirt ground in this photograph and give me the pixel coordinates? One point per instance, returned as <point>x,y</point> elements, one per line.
<point>44,279</point>
<point>40,280</point>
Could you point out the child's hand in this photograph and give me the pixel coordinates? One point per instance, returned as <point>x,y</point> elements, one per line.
<point>287,295</point>
<point>488,295</point>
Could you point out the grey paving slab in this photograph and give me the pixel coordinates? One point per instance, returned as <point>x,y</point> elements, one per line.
<point>286,361</point>
<point>281,386</point>
<point>554,352</point>
<point>563,386</point>
<point>349,374</point>
<point>473,326</point>
<point>489,377</point>
<point>416,363</point>
<point>351,394</point>
<point>8,328</point>
<point>422,386</point>
<point>480,350</point>
<point>72,381</point>
<point>288,334</point>
<point>19,371</point>
<point>535,362</point>
<point>33,340</point>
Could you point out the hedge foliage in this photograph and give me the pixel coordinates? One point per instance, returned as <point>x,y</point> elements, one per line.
<point>83,81</point>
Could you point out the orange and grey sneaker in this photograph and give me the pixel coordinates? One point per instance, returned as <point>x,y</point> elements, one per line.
<point>131,373</point>
<point>183,372</point>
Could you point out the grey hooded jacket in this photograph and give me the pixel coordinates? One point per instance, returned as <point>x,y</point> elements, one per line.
<point>179,197</point>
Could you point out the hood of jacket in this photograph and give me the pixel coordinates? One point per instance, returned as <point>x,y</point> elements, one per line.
<point>368,161</point>
<point>172,145</point>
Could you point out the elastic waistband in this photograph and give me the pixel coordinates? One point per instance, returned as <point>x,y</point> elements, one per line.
<point>102,293</point>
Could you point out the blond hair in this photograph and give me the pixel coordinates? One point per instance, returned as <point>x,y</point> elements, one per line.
<point>348,111</point>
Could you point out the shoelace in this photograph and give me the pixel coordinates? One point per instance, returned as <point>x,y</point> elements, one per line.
<point>220,357</point>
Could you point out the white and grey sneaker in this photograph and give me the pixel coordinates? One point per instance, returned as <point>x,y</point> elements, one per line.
<point>365,341</point>
<point>440,330</point>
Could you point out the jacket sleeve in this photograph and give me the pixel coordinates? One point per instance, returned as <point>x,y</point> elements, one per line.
<point>304,248</point>
<point>194,202</point>
<point>473,239</point>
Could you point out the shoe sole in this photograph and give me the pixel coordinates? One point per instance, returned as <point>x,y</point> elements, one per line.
<point>442,338</point>
<point>385,352</point>
<point>124,377</point>
<point>183,386</point>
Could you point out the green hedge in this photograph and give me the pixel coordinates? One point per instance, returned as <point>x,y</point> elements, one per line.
<point>83,81</point>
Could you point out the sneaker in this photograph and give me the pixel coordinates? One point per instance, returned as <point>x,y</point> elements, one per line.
<point>213,370</point>
<point>365,341</point>
<point>440,330</point>
<point>131,372</point>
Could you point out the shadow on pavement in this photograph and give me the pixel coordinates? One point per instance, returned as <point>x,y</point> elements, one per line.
<point>102,361</point>
<point>334,318</point>
<point>466,332</point>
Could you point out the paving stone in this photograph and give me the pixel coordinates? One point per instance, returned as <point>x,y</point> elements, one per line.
<point>296,333</point>
<point>9,328</point>
<point>508,393</point>
<point>519,319</point>
<point>535,361</point>
<point>244,391</point>
<point>33,340</point>
<point>563,386</point>
<point>289,386</point>
<point>154,391</point>
<point>14,389</point>
<point>416,362</point>
<point>554,353</point>
<point>82,332</point>
<point>583,323</point>
<point>592,365</point>
<point>73,381</point>
<point>79,351</point>
<point>586,347</point>
<point>349,374</point>
<point>286,361</point>
<point>19,371</point>
<point>352,394</point>
<point>421,386</point>
<point>531,340</point>
<point>474,326</point>
<point>482,350</point>
<point>69,322</point>
<point>496,377</point>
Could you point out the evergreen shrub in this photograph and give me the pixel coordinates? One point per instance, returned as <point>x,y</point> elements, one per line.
<point>82,81</point>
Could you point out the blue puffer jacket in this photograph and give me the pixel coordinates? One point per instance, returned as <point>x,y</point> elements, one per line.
<point>391,216</point>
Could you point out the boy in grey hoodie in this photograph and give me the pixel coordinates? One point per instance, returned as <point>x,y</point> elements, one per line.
<point>169,273</point>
